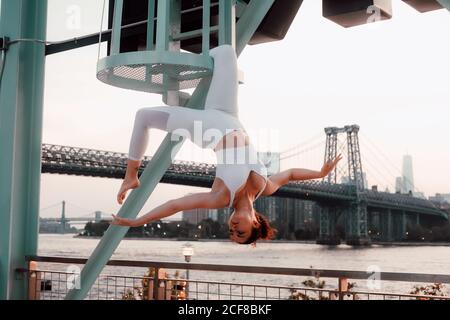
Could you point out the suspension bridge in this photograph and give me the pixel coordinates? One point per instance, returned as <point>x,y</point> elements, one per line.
<point>344,192</point>
<point>66,220</point>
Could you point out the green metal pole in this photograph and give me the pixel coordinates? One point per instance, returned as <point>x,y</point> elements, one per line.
<point>21,109</point>
<point>153,173</point>
<point>226,24</point>
<point>151,25</point>
<point>445,4</point>
<point>63,217</point>
<point>163,25</point>
<point>206,26</point>
<point>250,21</point>
<point>117,27</point>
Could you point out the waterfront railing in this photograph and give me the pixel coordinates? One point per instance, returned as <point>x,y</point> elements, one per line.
<point>50,278</point>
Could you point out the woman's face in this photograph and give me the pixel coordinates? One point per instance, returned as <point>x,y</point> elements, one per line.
<point>241,224</point>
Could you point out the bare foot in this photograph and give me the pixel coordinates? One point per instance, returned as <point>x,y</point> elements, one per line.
<point>127,184</point>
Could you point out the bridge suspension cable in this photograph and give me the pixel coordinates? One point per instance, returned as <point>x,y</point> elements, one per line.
<point>304,143</point>
<point>310,156</point>
<point>375,174</point>
<point>393,171</point>
<point>50,206</point>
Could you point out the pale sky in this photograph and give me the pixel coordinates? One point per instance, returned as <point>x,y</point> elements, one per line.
<point>391,78</point>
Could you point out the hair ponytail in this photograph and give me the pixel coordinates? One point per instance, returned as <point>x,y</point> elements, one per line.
<point>264,231</point>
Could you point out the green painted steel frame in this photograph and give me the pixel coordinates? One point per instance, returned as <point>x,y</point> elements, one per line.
<point>226,24</point>
<point>166,51</point>
<point>150,24</point>
<point>160,162</point>
<point>445,4</point>
<point>21,111</point>
<point>163,25</point>
<point>117,27</point>
<point>150,57</point>
<point>206,26</point>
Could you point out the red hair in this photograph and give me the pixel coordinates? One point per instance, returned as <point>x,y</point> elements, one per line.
<point>263,232</point>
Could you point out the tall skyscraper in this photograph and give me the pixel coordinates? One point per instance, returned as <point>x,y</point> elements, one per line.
<point>365,181</point>
<point>407,174</point>
<point>399,185</point>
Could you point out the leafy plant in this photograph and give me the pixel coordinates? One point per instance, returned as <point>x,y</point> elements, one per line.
<point>435,289</point>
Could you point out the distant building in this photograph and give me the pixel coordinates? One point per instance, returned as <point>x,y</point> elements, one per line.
<point>365,181</point>
<point>441,198</point>
<point>287,215</point>
<point>420,195</point>
<point>446,197</point>
<point>195,216</point>
<point>407,174</point>
<point>98,216</point>
<point>405,183</point>
<point>51,226</point>
<point>223,215</point>
<point>399,188</point>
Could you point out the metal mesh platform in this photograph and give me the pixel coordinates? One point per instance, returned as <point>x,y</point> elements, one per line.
<point>153,73</point>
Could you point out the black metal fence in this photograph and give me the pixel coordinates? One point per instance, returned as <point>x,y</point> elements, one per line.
<point>155,283</point>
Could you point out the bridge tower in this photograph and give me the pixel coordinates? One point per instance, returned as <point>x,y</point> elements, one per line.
<point>98,216</point>
<point>355,215</point>
<point>63,217</point>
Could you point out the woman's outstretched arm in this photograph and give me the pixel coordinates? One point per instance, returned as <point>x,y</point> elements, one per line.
<point>208,200</point>
<point>278,180</point>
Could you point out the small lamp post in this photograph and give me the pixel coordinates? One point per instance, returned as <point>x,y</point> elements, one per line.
<point>188,252</point>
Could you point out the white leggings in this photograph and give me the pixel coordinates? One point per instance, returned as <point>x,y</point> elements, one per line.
<point>203,127</point>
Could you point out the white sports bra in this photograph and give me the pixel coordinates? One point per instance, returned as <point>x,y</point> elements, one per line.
<point>234,166</point>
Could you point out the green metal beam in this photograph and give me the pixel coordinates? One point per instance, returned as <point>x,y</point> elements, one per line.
<point>151,24</point>
<point>206,32</point>
<point>21,109</point>
<point>163,23</point>
<point>250,21</point>
<point>445,4</point>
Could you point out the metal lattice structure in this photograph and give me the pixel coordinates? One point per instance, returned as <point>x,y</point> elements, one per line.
<point>355,173</point>
<point>356,215</point>
<point>354,157</point>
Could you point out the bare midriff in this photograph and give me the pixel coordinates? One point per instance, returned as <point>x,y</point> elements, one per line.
<point>235,139</point>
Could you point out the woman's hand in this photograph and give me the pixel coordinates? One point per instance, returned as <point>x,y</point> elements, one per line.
<point>329,166</point>
<point>118,221</point>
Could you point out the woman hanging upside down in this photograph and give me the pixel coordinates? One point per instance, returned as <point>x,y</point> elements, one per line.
<point>240,176</point>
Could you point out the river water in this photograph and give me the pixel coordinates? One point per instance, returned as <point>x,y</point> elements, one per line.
<point>411,259</point>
